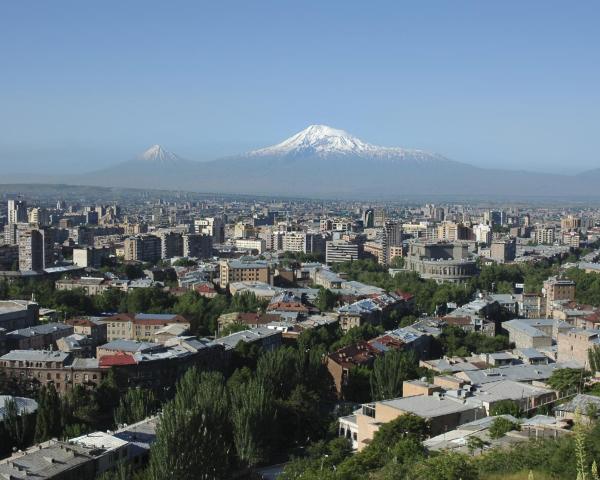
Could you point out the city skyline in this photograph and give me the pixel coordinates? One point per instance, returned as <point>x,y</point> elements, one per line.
<point>508,85</point>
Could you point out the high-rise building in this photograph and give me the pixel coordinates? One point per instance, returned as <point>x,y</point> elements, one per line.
<point>379,217</point>
<point>35,250</point>
<point>556,288</point>
<point>39,217</point>
<point>544,235</point>
<point>213,226</point>
<point>483,233</point>
<point>197,245</point>
<point>11,234</point>
<point>392,237</point>
<point>171,244</point>
<point>143,248</point>
<point>570,223</point>
<point>369,218</point>
<point>17,211</point>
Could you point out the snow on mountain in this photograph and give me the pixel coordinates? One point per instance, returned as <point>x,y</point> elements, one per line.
<point>158,155</point>
<point>323,141</point>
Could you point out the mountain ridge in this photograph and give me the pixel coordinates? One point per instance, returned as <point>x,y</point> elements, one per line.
<point>325,162</point>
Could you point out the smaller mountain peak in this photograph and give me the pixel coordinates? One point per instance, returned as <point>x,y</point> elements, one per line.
<point>157,154</point>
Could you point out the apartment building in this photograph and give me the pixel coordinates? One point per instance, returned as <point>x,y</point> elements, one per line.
<point>556,288</point>
<point>197,245</point>
<point>243,271</point>
<point>140,326</point>
<point>143,248</point>
<point>337,251</point>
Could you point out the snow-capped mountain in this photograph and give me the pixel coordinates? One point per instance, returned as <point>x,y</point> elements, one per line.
<point>159,156</point>
<point>324,141</point>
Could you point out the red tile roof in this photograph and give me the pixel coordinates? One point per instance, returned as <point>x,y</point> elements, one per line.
<point>360,353</point>
<point>119,358</point>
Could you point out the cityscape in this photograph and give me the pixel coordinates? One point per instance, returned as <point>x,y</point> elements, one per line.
<point>279,298</point>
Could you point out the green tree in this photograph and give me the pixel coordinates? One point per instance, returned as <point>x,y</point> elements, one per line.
<point>594,358</point>
<point>135,405</point>
<point>17,427</point>
<point>48,422</point>
<point>184,262</point>
<point>390,371</point>
<point>326,300</point>
<point>358,387</point>
<point>506,407</point>
<point>568,380</point>
<point>252,415</point>
<point>475,443</point>
<point>501,426</point>
<point>109,300</point>
<point>193,438</point>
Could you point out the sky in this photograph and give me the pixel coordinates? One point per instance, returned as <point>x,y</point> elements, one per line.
<point>508,84</point>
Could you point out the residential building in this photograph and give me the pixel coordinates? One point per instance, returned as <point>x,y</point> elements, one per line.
<point>443,413</point>
<point>391,239</point>
<point>213,226</point>
<point>51,460</point>
<point>534,333</point>
<point>143,248</point>
<point>15,314</point>
<point>94,328</point>
<point>171,244</point>
<point>369,310</point>
<point>243,271</point>
<point>574,345</point>
<point>35,250</point>
<point>556,288</point>
<point>90,256</point>
<point>256,245</point>
<point>341,251</point>
<point>341,362</point>
<point>140,326</point>
<point>268,339</point>
<point>503,251</point>
<point>91,285</point>
<point>197,245</point>
<point>544,235</point>
<point>37,337</point>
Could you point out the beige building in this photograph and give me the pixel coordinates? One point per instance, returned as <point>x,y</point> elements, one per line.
<point>141,326</point>
<point>444,413</point>
<point>242,271</point>
<point>574,344</point>
<point>91,285</point>
<point>556,288</point>
<point>570,222</point>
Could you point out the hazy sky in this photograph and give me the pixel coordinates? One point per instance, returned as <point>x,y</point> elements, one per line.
<point>504,83</point>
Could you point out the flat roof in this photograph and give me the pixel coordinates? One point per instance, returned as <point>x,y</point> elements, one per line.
<point>428,406</point>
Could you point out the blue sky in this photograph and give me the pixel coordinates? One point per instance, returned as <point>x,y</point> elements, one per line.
<point>511,83</point>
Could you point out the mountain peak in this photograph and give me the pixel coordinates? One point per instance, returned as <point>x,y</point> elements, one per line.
<point>157,154</point>
<point>323,140</point>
